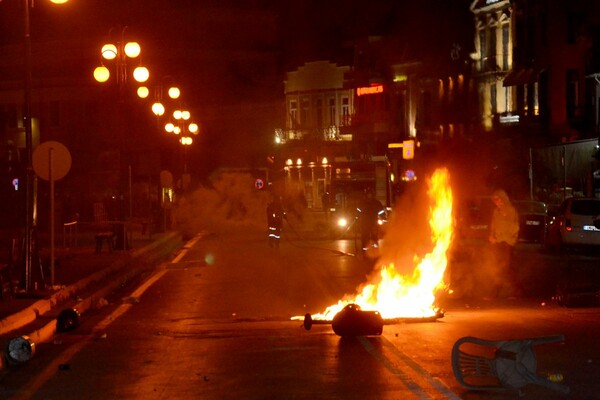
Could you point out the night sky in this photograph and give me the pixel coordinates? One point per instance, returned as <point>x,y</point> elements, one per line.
<point>233,54</point>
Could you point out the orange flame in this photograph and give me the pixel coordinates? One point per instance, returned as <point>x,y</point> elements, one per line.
<point>411,296</point>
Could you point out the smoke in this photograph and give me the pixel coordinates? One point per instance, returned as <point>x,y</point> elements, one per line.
<point>408,234</point>
<point>230,202</point>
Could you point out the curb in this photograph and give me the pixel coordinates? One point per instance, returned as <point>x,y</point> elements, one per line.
<point>150,254</point>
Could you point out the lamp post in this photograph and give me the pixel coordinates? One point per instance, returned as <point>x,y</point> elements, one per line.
<point>121,52</point>
<point>158,107</point>
<point>185,129</point>
<point>30,196</point>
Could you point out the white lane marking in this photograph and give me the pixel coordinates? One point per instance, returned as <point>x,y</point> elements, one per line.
<point>70,352</point>
<point>395,369</point>
<point>186,248</point>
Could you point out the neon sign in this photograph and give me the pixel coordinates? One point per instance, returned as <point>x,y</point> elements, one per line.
<point>369,90</point>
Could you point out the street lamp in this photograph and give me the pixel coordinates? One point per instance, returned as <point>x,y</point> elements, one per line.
<point>186,129</point>
<point>158,107</point>
<point>121,52</point>
<point>29,186</point>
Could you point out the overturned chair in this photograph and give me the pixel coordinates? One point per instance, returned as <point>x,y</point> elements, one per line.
<point>503,365</point>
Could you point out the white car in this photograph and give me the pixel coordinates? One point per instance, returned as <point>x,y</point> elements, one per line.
<point>576,222</point>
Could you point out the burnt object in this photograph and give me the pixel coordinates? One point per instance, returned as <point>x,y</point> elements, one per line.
<point>67,320</point>
<point>351,321</point>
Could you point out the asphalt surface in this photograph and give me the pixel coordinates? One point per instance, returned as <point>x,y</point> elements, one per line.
<point>82,278</point>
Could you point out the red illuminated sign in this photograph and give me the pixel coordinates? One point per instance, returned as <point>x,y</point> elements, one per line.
<point>374,89</point>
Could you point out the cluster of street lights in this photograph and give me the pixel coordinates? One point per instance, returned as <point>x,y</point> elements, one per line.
<point>123,51</point>
<point>180,122</point>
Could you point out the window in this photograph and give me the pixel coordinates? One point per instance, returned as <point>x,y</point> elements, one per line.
<point>345,111</point>
<point>482,50</point>
<point>304,112</point>
<point>505,44</point>
<point>492,63</point>
<point>332,112</point>
<point>293,114</point>
<point>319,112</point>
<point>493,100</point>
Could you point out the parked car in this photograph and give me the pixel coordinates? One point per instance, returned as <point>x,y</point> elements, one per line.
<point>533,217</point>
<point>575,223</point>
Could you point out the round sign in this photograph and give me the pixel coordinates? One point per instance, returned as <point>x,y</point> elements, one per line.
<point>259,184</point>
<point>51,158</point>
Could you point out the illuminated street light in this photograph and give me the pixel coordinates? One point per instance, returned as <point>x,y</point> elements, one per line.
<point>158,109</point>
<point>193,128</point>
<point>174,92</point>
<point>158,106</point>
<point>29,184</point>
<point>143,92</point>
<point>121,52</point>
<point>186,140</point>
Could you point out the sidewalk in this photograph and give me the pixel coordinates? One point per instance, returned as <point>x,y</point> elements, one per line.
<point>78,272</point>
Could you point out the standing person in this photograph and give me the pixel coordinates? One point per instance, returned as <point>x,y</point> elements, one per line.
<point>275,216</point>
<point>504,233</point>
<point>368,215</point>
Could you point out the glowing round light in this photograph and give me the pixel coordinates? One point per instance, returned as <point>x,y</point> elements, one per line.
<point>174,92</point>
<point>299,161</point>
<point>177,114</point>
<point>193,128</point>
<point>132,49</point>
<point>169,127</point>
<point>185,115</point>
<point>186,140</point>
<point>324,161</point>
<point>158,109</point>
<point>141,74</point>
<point>177,130</point>
<point>101,74</point>
<point>143,92</point>
<point>59,1</point>
<point>109,51</point>
<point>289,161</point>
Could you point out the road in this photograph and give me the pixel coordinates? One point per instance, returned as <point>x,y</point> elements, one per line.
<point>215,324</point>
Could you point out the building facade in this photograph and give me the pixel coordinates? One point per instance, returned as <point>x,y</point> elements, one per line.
<point>533,61</point>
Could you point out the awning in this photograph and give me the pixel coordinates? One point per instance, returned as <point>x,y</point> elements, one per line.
<point>520,76</point>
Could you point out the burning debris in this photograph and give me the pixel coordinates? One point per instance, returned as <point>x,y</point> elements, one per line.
<point>400,297</point>
<point>353,321</point>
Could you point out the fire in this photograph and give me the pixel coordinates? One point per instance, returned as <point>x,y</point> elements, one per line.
<point>411,296</point>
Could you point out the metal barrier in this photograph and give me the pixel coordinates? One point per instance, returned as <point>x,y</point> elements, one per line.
<point>70,234</point>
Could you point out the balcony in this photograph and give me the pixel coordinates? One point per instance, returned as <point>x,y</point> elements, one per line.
<point>328,134</point>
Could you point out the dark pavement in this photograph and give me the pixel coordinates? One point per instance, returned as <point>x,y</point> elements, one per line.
<point>79,272</point>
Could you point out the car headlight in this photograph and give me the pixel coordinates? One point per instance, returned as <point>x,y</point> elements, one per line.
<point>342,222</point>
